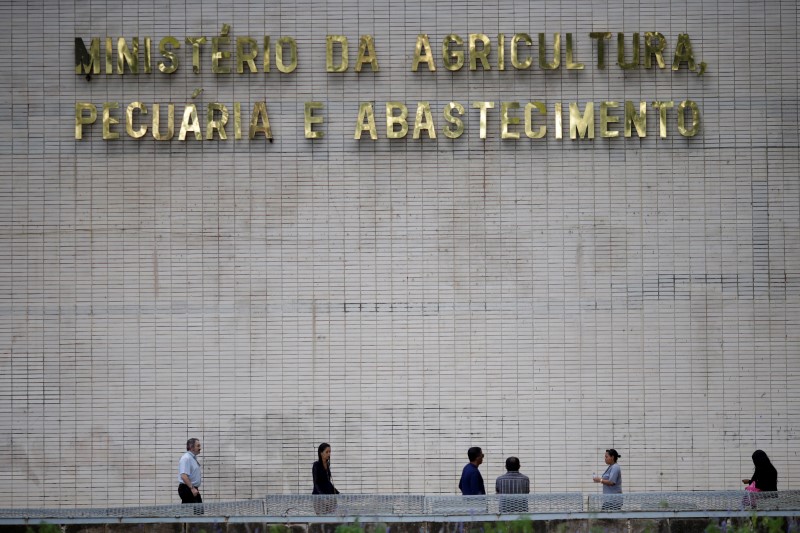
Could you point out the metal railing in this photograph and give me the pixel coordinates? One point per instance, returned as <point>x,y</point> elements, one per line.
<point>400,508</point>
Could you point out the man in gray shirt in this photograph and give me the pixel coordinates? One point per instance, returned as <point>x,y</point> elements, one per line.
<point>512,482</point>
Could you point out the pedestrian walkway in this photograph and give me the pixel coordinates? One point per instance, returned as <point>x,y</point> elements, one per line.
<point>410,508</point>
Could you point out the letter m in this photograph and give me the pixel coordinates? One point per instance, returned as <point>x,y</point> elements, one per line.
<point>581,124</point>
<point>87,61</point>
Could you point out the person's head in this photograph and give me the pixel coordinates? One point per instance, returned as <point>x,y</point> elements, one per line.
<point>612,456</point>
<point>761,460</point>
<point>193,445</point>
<point>475,455</point>
<point>324,453</point>
<point>512,464</point>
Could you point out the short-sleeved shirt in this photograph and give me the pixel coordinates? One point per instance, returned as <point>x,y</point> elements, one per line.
<point>190,466</point>
<point>613,473</point>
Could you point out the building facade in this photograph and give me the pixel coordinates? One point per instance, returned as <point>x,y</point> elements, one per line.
<point>403,228</point>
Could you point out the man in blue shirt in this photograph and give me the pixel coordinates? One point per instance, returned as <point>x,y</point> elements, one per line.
<point>471,483</point>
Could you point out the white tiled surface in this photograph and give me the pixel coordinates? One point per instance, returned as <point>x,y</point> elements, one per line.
<point>400,299</point>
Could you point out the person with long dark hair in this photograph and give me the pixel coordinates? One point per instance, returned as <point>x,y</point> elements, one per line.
<point>321,471</point>
<point>323,484</point>
<point>765,478</point>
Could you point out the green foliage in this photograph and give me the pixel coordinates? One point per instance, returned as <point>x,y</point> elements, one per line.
<point>514,526</point>
<point>278,528</point>
<point>774,524</point>
<point>754,524</point>
<point>355,527</point>
<point>44,527</point>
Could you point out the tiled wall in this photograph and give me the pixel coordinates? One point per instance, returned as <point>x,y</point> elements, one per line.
<point>401,299</point>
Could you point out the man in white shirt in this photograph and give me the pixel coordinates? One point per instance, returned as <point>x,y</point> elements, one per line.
<point>190,474</point>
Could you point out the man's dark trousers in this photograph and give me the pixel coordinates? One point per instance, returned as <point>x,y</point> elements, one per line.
<point>187,497</point>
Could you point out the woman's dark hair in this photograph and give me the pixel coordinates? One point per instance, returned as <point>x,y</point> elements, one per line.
<point>761,460</point>
<point>613,453</point>
<point>322,447</point>
<point>765,476</point>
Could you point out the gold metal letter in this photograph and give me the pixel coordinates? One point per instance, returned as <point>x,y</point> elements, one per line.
<point>139,132</point>
<point>400,120</point>
<point>109,121</point>
<point>556,52</point>
<point>266,54</point>
<point>505,120</point>
<point>218,55</point>
<point>283,67</point>
<point>525,38</point>
<point>310,120</point>
<point>639,120</point>
<point>654,44</point>
<point>124,55</point>
<point>483,106</point>
<point>662,116</point>
<point>87,61</point>
<point>601,47</point>
<point>109,54</point>
<point>189,123</point>
<point>80,120</point>
<point>366,54</point>
<point>422,53</point>
<point>683,52</point>
<point>606,119</point>
<point>529,107</point>
<point>582,125</point>
<point>148,52</point>
<point>559,126</point>
<point>365,111</point>
<point>213,124</point>
<point>621,52</point>
<point>571,64</point>
<point>453,59</point>
<point>248,57</point>
<point>168,54</point>
<point>424,121</point>
<point>196,43</point>
<point>453,133</point>
<point>260,111</point>
<point>329,41</point>
<point>482,53</point>
<point>237,121</point>
<point>170,122</point>
<point>682,119</point>
<point>501,51</point>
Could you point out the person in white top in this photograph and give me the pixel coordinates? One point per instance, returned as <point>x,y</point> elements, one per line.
<point>190,474</point>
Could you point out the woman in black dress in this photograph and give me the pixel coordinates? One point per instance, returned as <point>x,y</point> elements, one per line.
<point>321,472</point>
<point>765,477</point>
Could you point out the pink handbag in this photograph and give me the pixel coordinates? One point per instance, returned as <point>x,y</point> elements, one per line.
<point>752,487</point>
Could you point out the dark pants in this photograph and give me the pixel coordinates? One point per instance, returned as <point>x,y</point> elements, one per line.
<point>187,497</point>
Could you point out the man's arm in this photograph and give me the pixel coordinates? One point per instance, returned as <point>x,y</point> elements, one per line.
<point>188,483</point>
